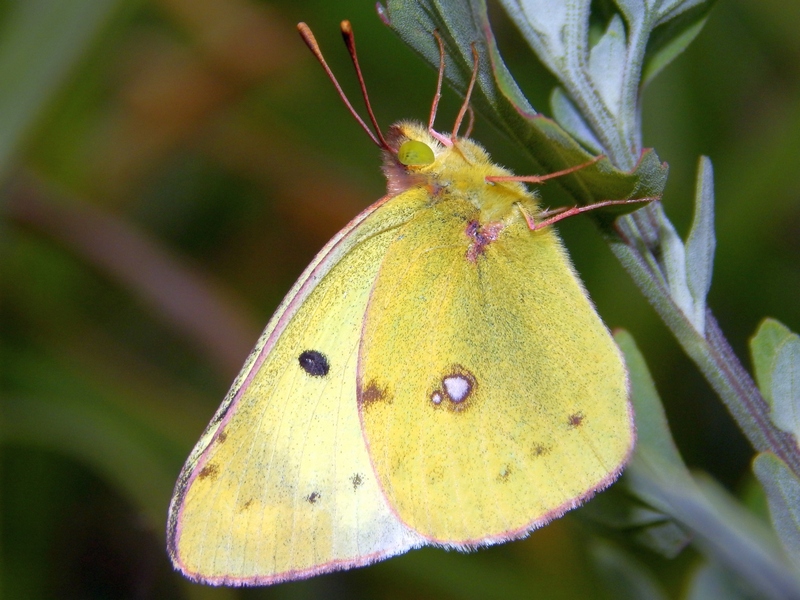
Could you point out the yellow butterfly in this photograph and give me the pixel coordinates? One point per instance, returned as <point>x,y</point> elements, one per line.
<point>437,375</point>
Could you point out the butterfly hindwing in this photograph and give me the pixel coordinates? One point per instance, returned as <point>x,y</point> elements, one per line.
<point>492,396</point>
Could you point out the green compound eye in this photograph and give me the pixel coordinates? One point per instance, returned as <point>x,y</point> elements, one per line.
<point>415,154</point>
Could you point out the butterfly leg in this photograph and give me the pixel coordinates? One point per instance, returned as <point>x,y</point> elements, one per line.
<point>543,178</point>
<point>557,214</point>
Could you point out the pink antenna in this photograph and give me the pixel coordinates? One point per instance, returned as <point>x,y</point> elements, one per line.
<point>438,95</point>
<point>350,42</point>
<point>465,105</point>
<point>347,33</point>
<point>471,122</point>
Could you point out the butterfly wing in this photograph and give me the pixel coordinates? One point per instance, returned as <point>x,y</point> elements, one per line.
<point>280,486</point>
<point>493,398</point>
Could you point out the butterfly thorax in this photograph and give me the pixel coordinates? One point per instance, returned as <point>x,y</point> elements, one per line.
<point>454,172</point>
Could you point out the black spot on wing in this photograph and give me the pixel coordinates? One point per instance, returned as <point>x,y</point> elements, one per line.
<point>313,497</point>
<point>357,480</point>
<point>314,363</point>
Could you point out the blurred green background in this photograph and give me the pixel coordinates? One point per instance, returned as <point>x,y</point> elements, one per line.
<point>169,168</point>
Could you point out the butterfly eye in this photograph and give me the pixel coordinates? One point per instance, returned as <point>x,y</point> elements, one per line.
<point>415,154</point>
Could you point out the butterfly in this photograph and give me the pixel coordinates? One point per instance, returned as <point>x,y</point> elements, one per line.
<point>437,375</point>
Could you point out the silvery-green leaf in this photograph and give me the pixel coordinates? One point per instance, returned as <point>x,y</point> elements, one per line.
<point>701,243</point>
<point>785,386</point>
<point>764,346</point>
<point>674,261</point>
<point>783,495</point>
<point>607,61</point>
<point>570,118</point>
<point>558,32</point>
<point>542,24</point>
<point>605,82</point>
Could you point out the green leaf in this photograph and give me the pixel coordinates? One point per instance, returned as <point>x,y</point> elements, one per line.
<point>748,534</point>
<point>783,495</point>
<point>101,440</point>
<point>544,24</point>
<point>498,98</point>
<point>701,243</point>
<point>40,41</point>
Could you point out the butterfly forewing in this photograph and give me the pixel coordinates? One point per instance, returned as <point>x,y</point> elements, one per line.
<point>281,486</point>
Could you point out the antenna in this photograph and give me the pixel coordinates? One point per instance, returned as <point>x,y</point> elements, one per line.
<point>350,42</point>
<point>347,33</point>
<point>465,106</point>
<point>438,95</point>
